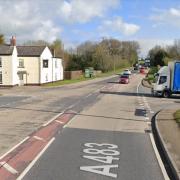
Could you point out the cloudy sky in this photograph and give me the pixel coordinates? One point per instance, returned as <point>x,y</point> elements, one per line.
<point>75,21</point>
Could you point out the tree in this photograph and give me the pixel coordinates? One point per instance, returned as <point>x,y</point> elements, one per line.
<point>57,47</point>
<point>157,56</point>
<point>1,39</point>
<point>106,55</point>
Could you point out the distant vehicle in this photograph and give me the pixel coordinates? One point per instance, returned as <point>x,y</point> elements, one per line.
<point>167,80</point>
<point>136,68</point>
<point>142,70</point>
<point>127,72</point>
<point>124,79</point>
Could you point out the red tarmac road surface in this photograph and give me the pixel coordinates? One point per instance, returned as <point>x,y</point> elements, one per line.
<point>14,163</point>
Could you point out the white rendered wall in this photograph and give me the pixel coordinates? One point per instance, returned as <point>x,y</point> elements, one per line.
<point>46,55</point>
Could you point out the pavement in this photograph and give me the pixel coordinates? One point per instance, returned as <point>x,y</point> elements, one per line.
<point>169,134</point>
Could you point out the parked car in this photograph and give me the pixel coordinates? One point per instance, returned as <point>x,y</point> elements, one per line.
<point>127,72</point>
<point>124,79</point>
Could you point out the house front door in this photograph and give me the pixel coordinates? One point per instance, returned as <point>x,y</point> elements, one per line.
<point>21,79</point>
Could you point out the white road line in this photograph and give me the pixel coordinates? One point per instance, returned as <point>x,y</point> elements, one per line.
<point>137,90</point>
<point>166,177</point>
<point>35,160</point>
<point>8,167</point>
<point>96,91</point>
<point>65,126</point>
<point>14,147</point>
<point>71,106</point>
<point>52,119</point>
<point>89,95</point>
<point>38,138</point>
<point>102,87</point>
<point>59,122</point>
<point>146,118</point>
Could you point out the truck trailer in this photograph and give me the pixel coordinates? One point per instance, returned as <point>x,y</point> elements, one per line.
<point>167,80</point>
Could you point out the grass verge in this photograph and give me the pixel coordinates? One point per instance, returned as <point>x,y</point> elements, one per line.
<point>177,116</point>
<point>82,78</point>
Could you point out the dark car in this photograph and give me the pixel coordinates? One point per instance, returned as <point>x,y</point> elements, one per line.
<point>124,79</point>
<point>142,70</point>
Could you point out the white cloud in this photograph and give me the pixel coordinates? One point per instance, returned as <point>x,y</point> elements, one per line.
<point>41,19</point>
<point>118,25</point>
<point>82,11</point>
<point>27,20</point>
<point>166,17</point>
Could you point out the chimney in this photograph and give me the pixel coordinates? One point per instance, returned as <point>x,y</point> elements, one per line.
<point>13,41</point>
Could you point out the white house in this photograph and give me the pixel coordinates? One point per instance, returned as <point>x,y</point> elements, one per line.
<point>28,65</point>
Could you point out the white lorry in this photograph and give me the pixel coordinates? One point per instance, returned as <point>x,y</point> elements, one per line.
<point>167,80</point>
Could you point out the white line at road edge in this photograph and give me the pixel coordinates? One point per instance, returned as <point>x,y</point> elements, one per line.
<point>67,124</point>
<point>14,147</point>
<point>52,119</point>
<point>166,177</point>
<point>35,160</point>
<point>137,90</point>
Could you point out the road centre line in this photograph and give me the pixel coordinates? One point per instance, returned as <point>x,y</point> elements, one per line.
<point>35,160</point>
<point>8,167</point>
<point>166,177</point>
<point>52,119</point>
<point>71,106</point>
<point>14,147</point>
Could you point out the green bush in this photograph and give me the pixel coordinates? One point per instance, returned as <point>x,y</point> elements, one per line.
<point>153,70</point>
<point>177,116</point>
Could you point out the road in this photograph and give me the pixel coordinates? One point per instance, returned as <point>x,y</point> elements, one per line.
<point>108,138</point>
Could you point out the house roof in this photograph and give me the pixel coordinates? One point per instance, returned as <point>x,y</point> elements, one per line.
<point>6,50</point>
<point>30,51</point>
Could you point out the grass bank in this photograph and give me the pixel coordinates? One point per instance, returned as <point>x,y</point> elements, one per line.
<point>177,116</point>
<point>82,78</point>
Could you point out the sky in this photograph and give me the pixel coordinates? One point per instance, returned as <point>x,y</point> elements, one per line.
<point>155,22</point>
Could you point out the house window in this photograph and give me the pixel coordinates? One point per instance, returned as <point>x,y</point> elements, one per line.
<point>0,62</point>
<point>21,63</point>
<point>45,63</point>
<point>0,77</point>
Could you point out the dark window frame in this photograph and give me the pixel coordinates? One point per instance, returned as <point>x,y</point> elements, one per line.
<point>0,62</point>
<point>1,77</point>
<point>45,63</point>
<point>21,63</point>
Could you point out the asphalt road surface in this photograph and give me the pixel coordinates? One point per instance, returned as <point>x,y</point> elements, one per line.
<point>109,138</point>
